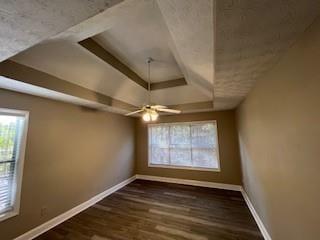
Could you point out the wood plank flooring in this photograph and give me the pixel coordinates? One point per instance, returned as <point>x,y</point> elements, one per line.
<point>162,211</point>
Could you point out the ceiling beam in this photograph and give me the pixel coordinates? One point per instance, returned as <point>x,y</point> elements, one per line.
<point>96,49</point>
<point>27,75</point>
<point>168,84</point>
<point>93,47</point>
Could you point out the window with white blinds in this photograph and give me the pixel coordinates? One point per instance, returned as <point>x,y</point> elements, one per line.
<point>191,145</point>
<point>12,142</point>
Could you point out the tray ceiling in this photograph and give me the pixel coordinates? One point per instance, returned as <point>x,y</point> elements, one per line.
<point>205,51</point>
<point>144,35</point>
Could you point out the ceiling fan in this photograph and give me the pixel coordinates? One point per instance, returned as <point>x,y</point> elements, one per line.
<point>150,111</point>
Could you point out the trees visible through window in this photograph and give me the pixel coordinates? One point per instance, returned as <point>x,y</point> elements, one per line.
<point>12,133</point>
<point>184,145</point>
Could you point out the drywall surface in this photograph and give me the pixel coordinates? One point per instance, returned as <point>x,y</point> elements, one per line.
<point>228,148</point>
<point>26,23</point>
<point>279,136</point>
<point>72,154</point>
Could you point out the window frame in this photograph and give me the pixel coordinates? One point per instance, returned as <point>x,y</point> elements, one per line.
<point>18,174</point>
<point>218,169</point>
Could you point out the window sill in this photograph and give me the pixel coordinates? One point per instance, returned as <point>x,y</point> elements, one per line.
<point>6,215</point>
<point>185,168</point>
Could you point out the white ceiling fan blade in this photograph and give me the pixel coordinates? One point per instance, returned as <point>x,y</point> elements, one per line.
<point>158,106</point>
<point>169,110</point>
<point>131,113</point>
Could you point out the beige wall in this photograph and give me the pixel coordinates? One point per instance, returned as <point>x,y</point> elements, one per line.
<point>279,135</point>
<point>72,155</point>
<point>228,148</point>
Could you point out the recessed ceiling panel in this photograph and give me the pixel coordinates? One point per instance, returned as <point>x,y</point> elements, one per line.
<point>145,35</point>
<point>70,62</point>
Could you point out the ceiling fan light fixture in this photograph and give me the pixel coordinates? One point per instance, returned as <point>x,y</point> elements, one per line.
<point>154,116</point>
<point>146,117</point>
<point>150,112</point>
<point>150,116</point>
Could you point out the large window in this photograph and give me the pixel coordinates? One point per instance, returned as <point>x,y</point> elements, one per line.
<point>13,130</point>
<point>191,145</point>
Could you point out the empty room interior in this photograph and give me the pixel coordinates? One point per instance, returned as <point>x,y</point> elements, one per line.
<point>160,120</point>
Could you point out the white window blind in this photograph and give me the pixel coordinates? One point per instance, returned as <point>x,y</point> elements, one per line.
<point>184,145</point>
<point>12,131</point>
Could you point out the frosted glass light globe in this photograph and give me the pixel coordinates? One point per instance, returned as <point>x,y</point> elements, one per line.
<point>146,117</point>
<point>154,116</point>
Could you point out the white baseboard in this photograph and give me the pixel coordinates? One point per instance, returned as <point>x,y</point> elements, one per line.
<point>70,213</point>
<point>258,220</point>
<point>190,182</point>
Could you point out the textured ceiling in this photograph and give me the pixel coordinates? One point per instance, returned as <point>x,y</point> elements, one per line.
<point>250,38</point>
<point>28,22</point>
<point>132,31</point>
<point>131,43</point>
<point>191,26</point>
<point>220,47</point>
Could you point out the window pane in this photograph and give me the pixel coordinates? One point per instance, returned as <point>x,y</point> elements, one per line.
<point>159,155</point>
<point>180,145</point>
<point>204,158</point>
<point>160,136</point>
<point>10,136</point>
<point>193,145</point>
<point>180,156</point>
<point>203,135</point>
<point>6,178</point>
<point>180,134</point>
<point>159,145</point>
<point>8,132</point>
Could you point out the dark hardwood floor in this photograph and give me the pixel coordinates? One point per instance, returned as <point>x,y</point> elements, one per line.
<point>162,211</point>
